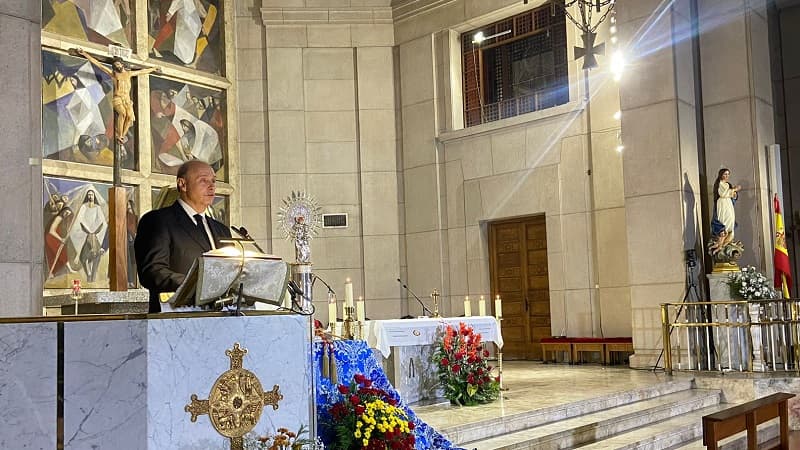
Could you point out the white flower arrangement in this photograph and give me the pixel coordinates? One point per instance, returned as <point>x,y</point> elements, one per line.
<point>749,284</point>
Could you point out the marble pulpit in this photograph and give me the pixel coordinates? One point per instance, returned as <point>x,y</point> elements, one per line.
<point>406,347</point>
<point>137,381</point>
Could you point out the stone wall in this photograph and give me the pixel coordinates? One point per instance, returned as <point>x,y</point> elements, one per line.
<point>332,131</point>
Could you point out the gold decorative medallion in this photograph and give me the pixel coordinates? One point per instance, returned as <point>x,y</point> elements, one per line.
<point>236,400</point>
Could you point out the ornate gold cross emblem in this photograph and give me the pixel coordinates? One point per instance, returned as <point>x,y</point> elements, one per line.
<point>236,400</point>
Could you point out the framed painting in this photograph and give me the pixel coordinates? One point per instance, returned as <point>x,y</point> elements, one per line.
<point>76,232</point>
<point>101,21</point>
<point>77,113</point>
<point>187,122</point>
<point>187,32</point>
<point>167,195</point>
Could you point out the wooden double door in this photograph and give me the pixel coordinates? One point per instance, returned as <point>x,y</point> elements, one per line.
<point>518,270</point>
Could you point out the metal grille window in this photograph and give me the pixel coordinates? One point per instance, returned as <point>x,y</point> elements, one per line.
<point>521,71</point>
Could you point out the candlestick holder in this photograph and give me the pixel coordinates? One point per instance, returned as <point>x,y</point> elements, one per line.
<point>77,294</point>
<point>500,362</point>
<point>435,297</point>
<point>348,329</point>
<point>359,331</point>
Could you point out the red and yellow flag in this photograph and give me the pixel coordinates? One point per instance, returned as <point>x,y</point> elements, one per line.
<point>783,276</point>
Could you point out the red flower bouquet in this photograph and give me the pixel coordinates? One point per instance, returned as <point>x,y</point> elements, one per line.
<point>464,372</point>
<point>366,418</point>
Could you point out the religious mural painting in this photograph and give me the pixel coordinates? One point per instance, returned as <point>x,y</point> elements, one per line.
<point>76,232</point>
<point>219,208</point>
<point>187,122</point>
<point>186,32</point>
<point>100,21</point>
<point>77,113</point>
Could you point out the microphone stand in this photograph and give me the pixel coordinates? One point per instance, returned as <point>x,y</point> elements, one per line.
<point>317,277</point>
<point>242,231</point>
<point>424,308</point>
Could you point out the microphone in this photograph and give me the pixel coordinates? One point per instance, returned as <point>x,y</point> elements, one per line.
<point>424,308</point>
<point>294,289</point>
<point>242,232</point>
<point>330,289</point>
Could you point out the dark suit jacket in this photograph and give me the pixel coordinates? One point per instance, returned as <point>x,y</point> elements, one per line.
<point>167,243</point>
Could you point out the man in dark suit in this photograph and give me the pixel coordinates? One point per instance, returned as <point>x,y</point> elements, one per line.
<point>168,240</point>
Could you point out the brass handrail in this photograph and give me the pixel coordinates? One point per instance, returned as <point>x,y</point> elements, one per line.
<point>777,338</point>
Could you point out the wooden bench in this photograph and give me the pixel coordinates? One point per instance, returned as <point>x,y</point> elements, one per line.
<point>574,346</point>
<point>748,416</point>
<point>580,345</point>
<point>617,345</point>
<point>555,345</point>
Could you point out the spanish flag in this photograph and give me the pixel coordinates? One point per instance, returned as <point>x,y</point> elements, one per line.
<point>783,276</point>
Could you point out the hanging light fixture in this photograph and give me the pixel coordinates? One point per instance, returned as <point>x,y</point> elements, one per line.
<point>592,13</point>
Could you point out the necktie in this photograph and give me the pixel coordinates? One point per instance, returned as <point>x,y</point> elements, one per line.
<point>198,219</point>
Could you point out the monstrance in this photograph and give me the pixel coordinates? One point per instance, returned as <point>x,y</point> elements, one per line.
<point>300,219</point>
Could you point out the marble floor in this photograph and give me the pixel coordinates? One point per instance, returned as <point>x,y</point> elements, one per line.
<point>534,385</point>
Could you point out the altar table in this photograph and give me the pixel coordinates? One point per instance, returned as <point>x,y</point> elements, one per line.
<point>123,381</point>
<point>385,334</point>
<point>407,346</point>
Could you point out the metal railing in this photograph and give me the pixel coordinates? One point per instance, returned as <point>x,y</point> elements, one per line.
<point>515,106</point>
<point>741,336</point>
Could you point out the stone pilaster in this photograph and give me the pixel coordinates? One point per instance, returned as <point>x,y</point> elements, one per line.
<point>21,236</point>
<point>738,114</point>
<point>660,163</point>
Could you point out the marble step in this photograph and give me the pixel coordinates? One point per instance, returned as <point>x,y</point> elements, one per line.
<point>768,437</point>
<point>485,429</point>
<point>661,435</point>
<point>602,424</point>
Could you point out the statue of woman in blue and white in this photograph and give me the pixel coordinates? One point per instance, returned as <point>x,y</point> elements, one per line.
<point>725,196</point>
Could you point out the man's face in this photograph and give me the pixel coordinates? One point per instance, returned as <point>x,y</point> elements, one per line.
<point>118,67</point>
<point>199,187</point>
<point>90,196</point>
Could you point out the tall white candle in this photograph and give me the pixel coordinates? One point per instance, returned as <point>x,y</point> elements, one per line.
<point>467,307</point>
<point>332,311</point>
<point>360,313</point>
<point>348,292</point>
<point>498,307</point>
<point>482,306</point>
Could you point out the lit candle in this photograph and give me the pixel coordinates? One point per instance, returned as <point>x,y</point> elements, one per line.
<point>360,314</point>
<point>348,292</point>
<point>482,306</point>
<point>467,307</point>
<point>331,311</point>
<point>498,307</point>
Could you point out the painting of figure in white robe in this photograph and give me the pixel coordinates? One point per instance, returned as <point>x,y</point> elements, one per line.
<point>186,122</point>
<point>76,232</point>
<point>186,32</point>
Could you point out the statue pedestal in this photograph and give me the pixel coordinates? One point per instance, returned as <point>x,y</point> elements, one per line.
<point>718,289</point>
<point>731,343</point>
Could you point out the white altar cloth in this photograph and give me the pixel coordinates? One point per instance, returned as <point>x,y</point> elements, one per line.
<point>385,334</point>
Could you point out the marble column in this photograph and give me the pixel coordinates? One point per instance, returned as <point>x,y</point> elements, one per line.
<point>22,235</point>
<point>660,162</point>
<point>738,114</point>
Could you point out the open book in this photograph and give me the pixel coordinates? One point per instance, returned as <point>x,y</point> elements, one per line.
<point>219,272</point>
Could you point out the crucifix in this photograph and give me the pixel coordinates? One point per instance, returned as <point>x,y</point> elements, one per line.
<point>124,117</point>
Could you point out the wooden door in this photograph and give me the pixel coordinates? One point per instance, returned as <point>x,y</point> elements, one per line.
<point>518,266</point>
